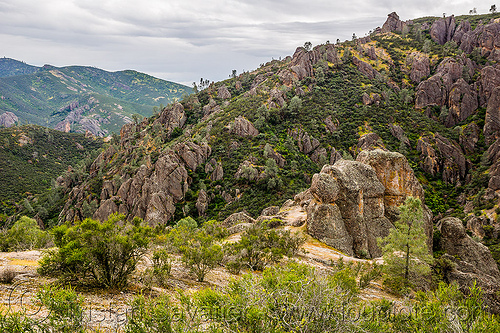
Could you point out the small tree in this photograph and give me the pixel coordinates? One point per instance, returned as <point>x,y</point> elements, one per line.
<point>493,9</point>
<point>405,248</point>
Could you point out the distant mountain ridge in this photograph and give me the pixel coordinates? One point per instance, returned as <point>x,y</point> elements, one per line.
<point>79,98</point>
<point>12,67</point>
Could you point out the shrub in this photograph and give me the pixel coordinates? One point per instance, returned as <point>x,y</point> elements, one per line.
<point>25,234</point>
<point>201,255</point>
<point>187,222</point>
<point>100,253</point>
<point>7,275</point>
<point>260,246</point>
<point>65,310</point>
<point>162,265</point>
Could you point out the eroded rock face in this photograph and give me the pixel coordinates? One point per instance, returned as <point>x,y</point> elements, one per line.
<point>435,91</point>
<point>172,117</point>
<point>365,68</point>
<point>202,202</point>
<point>223,93</point>
<point>438,154</point>
<point>473,261</point>
<point>301,65</point>
<point>442,30</point>
<point>8,119</point>
<point>492,120</point>
<point>393,23</point>
<point>485,37</point>
<point>494,172</point>
<point>353,202</point>
<point>243,127</point>
<point>469,136</point>
<point>370,141</point>
<point>420,66</point>
<point>462,102</point>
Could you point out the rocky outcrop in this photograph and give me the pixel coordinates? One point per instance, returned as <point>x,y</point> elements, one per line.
<point>211,108</point>
<point>393,23</point>
<point>437,90</point>
<point>419,66</point>
<point>202,202</point>
<point>442,30</point>
<point>462,102</point>
<point>494,171</point>
<point>486,38</point>
<point>352,201</point>
<point>469,136</point>
<point>370,141</point>
<point>301,65</point>
<point>8,119</point>
<point>171,117</point>
<point>306,143</point>
<point>463,28</point>
<point>473,260</point>
<point>223,93</point>
<point>399,134</point>
<point>397,177</point>
<point>331,125</point>
<point>150,193</point>
<point>365,68</point>
<point>492,120</point>
<point>440,155</point>
<point>489,79</point>
<point>218,173</point>
<point>243,127</point>
<point>192,154</point>
<point>237,218</point>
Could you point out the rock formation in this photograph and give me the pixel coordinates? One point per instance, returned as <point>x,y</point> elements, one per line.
<point>442,30</point>
<point>8,119</point>
<point>243,127</point>
<point>440,155</point>
<point>473,261</point>
<point>354,201</point>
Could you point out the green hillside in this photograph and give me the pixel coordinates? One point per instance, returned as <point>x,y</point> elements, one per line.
<point>84,98</point>
<point>12,67</point>
<point>32,157</point>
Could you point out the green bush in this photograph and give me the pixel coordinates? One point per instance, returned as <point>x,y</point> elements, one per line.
<point>200,254</point>
<point>101,253</point>
<point>25,234</point>
<point>260,246</point>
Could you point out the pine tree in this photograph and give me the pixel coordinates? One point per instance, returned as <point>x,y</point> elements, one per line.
<point>405,248</point>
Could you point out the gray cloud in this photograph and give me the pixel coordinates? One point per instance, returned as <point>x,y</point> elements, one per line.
<point>183,40</point>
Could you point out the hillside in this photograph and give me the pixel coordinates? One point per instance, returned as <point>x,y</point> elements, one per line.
<point>80,99</point>
<point>31,158</point>
<point>12,67</point>
<point>257,139</point>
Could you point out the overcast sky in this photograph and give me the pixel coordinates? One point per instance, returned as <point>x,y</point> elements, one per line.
<point>183,40</point>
